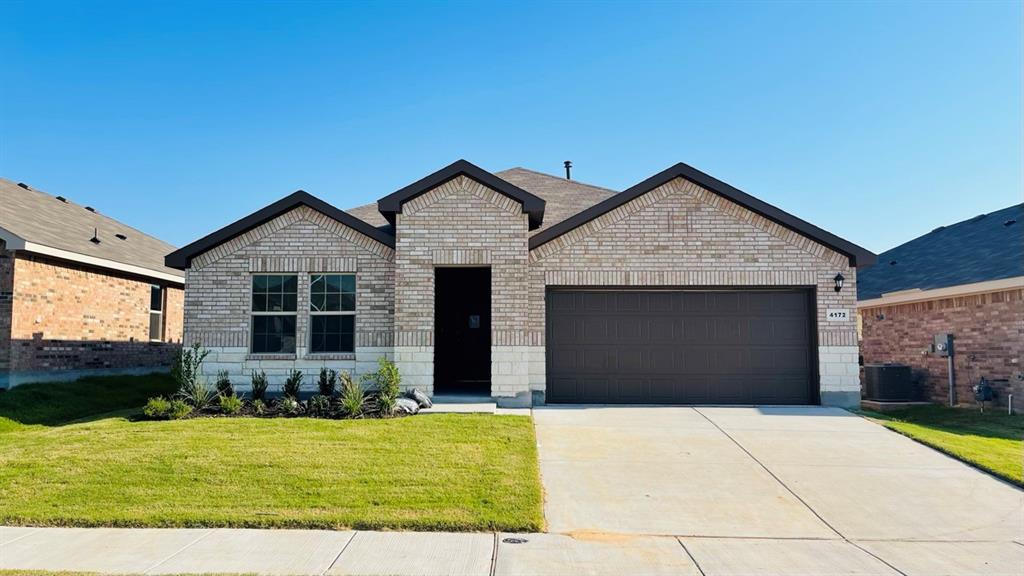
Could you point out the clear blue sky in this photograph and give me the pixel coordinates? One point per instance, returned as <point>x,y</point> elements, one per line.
<point>876,121</point>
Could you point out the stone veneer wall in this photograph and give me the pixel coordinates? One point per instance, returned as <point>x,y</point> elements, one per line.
<point>462,223</point>
<point>681,234</point>
<point>66,316</point>
<point>988,331</point>
<point>302,241</point>
<point>6,297</point>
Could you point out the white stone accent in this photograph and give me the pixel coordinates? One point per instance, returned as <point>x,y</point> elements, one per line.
<point>510,369</point>
<point>838,368</point>
<point>416,365</point>
<point>240,365</point>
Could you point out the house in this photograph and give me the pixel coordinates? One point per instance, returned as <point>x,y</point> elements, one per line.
<point>80,293</point>
<point>966,279</point>
<point>531,288</point>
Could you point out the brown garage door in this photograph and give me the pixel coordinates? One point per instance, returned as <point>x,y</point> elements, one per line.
<point>680,346</point>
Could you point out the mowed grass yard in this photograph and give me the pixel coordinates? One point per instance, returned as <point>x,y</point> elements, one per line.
<point>992,441</point>
<point>67,460</point>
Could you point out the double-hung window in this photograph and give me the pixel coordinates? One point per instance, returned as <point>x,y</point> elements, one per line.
<point>274,307</point>
<point>156,313</point>
<point>332,313</point>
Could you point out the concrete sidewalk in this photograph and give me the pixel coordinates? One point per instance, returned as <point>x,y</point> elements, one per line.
<point>181,551</point>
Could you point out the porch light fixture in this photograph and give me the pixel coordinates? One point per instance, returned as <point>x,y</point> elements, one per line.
<point>839,282</point>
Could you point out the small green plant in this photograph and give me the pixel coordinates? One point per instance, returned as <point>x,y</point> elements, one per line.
<point>224,386</point>
<point>188,365</point>
<point>259,408</point>
<point>288,405</point>
<point>293,384</point>
<point>230,404</point>
<point>157,408</point>
<point>319,406</point>
<point>328,381</point>
<point>259,385</point>
<point>386,380</point>
<point>197,393</point>
<point>352,399</point>
<point>179,409</point>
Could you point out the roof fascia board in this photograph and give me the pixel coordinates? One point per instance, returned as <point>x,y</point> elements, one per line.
<point>906,297</point>
<point>100,262</point>
<point>859,257</point>
<point>532,205</point>
<point>182,258</point>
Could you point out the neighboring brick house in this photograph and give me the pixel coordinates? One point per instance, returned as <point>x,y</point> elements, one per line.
<point>966,279</point>
<point>531,288</point>
<point>81,293</point>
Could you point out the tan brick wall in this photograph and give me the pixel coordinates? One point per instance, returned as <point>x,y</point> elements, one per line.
<point>302,241</point>
<point>461,222</point>
<point>988,332</point>
<point>683,235</point>
<point>68,317</point>
<point>6,294</point>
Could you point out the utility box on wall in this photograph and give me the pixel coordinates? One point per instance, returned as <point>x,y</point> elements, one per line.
<point>944,345</point>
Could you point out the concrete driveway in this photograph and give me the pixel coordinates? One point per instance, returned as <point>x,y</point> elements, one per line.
<point>814,485</point>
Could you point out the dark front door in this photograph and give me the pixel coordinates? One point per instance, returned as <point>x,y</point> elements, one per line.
<point>680,346</point>
<point>462,331</point>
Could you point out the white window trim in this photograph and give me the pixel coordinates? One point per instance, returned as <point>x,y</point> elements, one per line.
<point>312,313</point>
<point>274,313</point>
<point>163,306</point>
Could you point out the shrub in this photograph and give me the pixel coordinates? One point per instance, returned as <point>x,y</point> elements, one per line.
<point>258,407</point>
<point>196,393</point>
<point>157,408</point>
<point>224,387</point>
<point>353,399</point>
<point>289,405</point>
<point>386,380</point>
<point>188,364</point>
<point>319,406</point>
<point>328,379</point>
<point>292,384</point>
<point>259,385</point>
<point>179,410</point>
<point>230,404</point>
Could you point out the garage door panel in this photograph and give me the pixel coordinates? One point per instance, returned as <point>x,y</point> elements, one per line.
<point>680,346</point>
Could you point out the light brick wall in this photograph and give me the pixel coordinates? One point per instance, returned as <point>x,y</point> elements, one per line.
<point>302,241</point>
<point>988,331</point>
<point>71,317</point>
<point>683,235</point>
<point>6,294</point>
<point>464,223</point>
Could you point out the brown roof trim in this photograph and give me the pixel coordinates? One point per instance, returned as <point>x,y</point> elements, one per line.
<point>532,205</point>
<point>182,258</point>
<point>859,257</point>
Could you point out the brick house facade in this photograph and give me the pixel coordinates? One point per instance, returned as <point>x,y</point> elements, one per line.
<point>965,279</point>
<point>681,231</point>
<point>67,313</point>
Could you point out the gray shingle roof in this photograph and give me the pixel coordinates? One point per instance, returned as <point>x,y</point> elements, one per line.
<point>39,218</point>
<point>980,249</point>
<point>563,198</point>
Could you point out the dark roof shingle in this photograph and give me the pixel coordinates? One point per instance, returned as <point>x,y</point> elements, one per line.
<point>986,247</point>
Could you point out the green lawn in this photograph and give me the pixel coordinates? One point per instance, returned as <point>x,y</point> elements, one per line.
<point>427,472</point>
<point>993,441</point>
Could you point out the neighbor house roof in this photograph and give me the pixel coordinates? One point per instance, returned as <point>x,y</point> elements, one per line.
<point>183,258</point>
<point>984,248</point>
<point>34,221</point>
<point>562,197</point>
<point>532,205</point>
<point>858,256</point>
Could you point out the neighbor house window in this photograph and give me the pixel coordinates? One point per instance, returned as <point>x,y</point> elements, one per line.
<point>332,313</point>
<point>274,305</point>
<point>156,313</point>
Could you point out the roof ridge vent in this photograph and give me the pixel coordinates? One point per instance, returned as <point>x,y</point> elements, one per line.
<point>90,209</point>
<point>95,236</point>
<point>1010,222</point>
<point>23,185</point>
<point>937,229</point>
<point>978,217</point>
<point>121,236</point>
<point>62,199</point>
